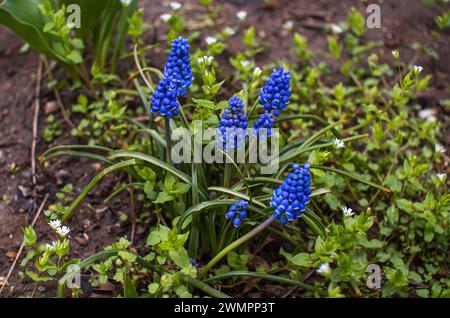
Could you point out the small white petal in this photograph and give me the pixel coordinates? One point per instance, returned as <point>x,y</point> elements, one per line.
<point>241,15</point>
<point>165,17</point>
<point>245,63</point>
<point>337,143</point>
<point>324,269</point>
<point>417,68</point>
<point>395,53</point>
<point>125,2</point>
<point>441,176</point>
<point>175,5</point>
<point>347,211</point>
<point>229,31</point>
<point>55,224</point>
<point>336,28</point>
<point>428,114</point>
<point>63,231</point>
<point>210,40</point>
<point>257,72</point>
<point>288,25</point>
<point>439,148</point>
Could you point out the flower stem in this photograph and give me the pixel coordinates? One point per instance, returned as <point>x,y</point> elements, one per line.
<point>235,244</point>
<point>168,142</point>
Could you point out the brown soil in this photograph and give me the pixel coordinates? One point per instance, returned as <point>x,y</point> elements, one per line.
<point>94,226</point>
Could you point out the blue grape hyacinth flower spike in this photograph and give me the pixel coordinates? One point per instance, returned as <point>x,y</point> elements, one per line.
<point>232,130</point>
<point>277,91</point>
<point>290,199</point>
<point>178,66</point>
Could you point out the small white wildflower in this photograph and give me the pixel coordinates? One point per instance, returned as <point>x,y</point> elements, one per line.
<point>175,5</point>
<point>288,25</point>
<point>439,148</point>
<point>229,31</point>
<point>242,15</point>
<point>165,17</point>
<point>63,231</point>
<point>428,114</point>
<point>51,247</point>
<point>54,224</point>
<point>324,269</point>
<point>207,60</point>
<point>210,40</point>
<point>417,69</point>
<point>245,63</point>
<point>395,54</point>
<point>347,211</point>
<point>337,143</point>
<point>336,28</point>
<point>333,255</point>
<point>125,2</point>
<point>441,176</point>
<point>257,72</point>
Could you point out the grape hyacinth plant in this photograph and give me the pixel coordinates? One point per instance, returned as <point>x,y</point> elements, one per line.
<point>237,212</point>
<point>193,197</point>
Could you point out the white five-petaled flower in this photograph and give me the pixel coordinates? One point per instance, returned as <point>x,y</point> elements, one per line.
<point>175,5</point>
<point>165,17</point>
<point>428,114</point>
<point>241,15</point>
<point>288,25</point>
<point>324,269</point>
<point>417,69</point>
<point>337,143</point>
<point>51,246</point>
<point>335,28</point>
<point>210,40</point>
<point>245,63</point>
<point>441,176</point>
<point>54,224</point>
<point>63,231</point>
<point>347,211</point>
<point>439,148</point>
<point>395,54</point>
<point>125,2</point>
<point>207,60</point>
<point>229,31</point>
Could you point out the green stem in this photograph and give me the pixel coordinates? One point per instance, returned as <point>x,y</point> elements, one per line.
<point>234,245</point>
<point>202,286</point>
<point>227,175</point>
<point>168,142</point>
<point>263,276</point>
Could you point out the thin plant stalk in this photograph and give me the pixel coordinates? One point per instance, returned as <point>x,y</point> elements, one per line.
<point>235,244</point>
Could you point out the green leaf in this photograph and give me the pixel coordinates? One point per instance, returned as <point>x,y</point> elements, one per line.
<point>127,256</point>
<point>129,289</point>
<point>25,19</point>
<point>180,257</point>
<point>75,57</point>
<point>163,197</point>
<point>302,259</point>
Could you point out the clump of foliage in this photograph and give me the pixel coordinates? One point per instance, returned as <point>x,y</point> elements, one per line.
<point>361,178</point>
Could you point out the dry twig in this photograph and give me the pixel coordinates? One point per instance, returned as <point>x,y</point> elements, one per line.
<point>41,208</point>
